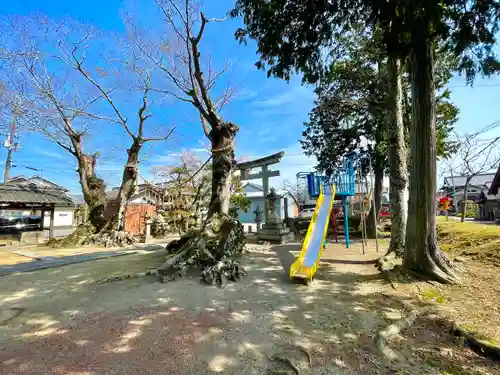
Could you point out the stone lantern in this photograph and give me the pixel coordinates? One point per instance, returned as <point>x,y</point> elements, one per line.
<point>258,219</point>
<point>272,198</point>
<point>274,230</point>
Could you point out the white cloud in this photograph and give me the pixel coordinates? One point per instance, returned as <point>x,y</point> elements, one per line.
<point>295,94</point>
<point>48,153</point>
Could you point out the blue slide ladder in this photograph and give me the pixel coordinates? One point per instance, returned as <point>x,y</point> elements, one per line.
<point>344,181</point>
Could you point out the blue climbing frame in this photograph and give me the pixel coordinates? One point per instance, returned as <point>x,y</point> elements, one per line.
<point>344,182</point>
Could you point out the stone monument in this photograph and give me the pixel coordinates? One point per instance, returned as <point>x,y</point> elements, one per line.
<point>273,228</point>
<point>258,219</point>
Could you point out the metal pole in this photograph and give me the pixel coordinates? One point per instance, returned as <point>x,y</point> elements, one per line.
<point>346,223</point>
<point>373,202</point>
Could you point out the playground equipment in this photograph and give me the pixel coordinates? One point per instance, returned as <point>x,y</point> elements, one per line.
<point>339,186</point>
<point>344,182</point>
<point>306,265</point>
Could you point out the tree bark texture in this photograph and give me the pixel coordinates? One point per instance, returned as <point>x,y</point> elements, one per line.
<point>398,172</point>
<point>421,252</point>
<point>223,162</point>
<point>93,189</point>
<point>129,178</point>
<point>378,171</point>
<point>377,191</point>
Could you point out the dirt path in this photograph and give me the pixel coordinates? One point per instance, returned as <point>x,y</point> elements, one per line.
<point>60,322</point>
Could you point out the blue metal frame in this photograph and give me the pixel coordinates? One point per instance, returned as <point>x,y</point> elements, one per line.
<point>344,180</point>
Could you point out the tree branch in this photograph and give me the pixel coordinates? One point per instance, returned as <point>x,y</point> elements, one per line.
<point>164,138</point>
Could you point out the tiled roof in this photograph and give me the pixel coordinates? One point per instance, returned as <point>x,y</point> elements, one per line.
<point>34,180</point>
<point>496,183</point>
<point>33,195</point>
<point>479,180</point>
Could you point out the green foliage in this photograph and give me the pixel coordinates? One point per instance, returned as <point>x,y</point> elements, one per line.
<point>470,208</point>
<point>301,35</point>
<point>351,105</point>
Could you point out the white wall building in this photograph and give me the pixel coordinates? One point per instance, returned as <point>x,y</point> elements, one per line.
<point>63,216</point>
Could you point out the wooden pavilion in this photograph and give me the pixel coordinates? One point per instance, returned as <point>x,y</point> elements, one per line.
<point>33,197</point>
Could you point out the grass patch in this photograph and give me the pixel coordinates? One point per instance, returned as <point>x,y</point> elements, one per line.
<point>469,238</point>
<point>434,295</point>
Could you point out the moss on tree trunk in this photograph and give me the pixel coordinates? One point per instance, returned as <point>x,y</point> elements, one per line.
<point>398,174</point>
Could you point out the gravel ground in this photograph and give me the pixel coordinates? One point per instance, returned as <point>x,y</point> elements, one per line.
<point>60,322</point>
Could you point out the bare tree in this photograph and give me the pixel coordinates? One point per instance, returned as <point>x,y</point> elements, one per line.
<point>74,55</point>
<point>476,155</point>
<point>298,192</point>
<point>49,100</point>
<point>179,59</point>
<point>189,176</point>
<point>192,80</point>
<point>93,91</point>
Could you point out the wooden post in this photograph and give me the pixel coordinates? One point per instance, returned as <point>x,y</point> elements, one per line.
<point>51,230</point>
<point>285,208</point>
<point>265,186</point>
<point>42,218</point>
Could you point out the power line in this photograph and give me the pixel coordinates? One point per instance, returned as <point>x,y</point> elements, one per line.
<point>472,86</point>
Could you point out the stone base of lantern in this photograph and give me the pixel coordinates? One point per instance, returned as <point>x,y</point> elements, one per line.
<point>275,231</point>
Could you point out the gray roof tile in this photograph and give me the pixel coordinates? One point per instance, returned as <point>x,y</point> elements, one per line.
<point>33,195</point>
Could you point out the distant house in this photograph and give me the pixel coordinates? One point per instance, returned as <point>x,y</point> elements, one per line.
<point>144,194</point>
<point>63,215</point>
<point>495,183</point>
<point>478,182</point>
<point>285,206</point>
<point>454,187</point>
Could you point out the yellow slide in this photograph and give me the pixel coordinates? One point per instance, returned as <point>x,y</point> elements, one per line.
<point>306,265</point>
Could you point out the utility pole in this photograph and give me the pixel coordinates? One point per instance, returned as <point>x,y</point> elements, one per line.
<point>11,145</point>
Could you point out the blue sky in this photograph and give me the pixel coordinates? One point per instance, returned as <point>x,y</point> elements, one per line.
<point>269,112</point>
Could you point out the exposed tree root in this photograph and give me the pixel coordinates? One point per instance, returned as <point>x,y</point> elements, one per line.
<point>394,329</point>
<point>286,362</point>
<point>442,269</point>
<point>480,347</point>
<point>438,268</point>
<point>387,262</point>
<point>77,238</point>
<point>111,238</point>
<point>212,250</point>
<point>85,235</point>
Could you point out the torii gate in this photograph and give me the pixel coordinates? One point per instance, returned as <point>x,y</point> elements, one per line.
<point>264,173</point>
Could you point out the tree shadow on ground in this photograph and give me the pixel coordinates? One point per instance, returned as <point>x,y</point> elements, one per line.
<point>134,327</point>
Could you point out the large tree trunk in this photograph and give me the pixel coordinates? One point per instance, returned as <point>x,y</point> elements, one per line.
<point>129,178</point>
<point>378,169</point>
<point>377,190</point>
<point>398,173</point>
<point>371,221</point>
<point>216,246</point>
<point>93,189</point>
<point>223,163</point>
<point>421,251</point>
